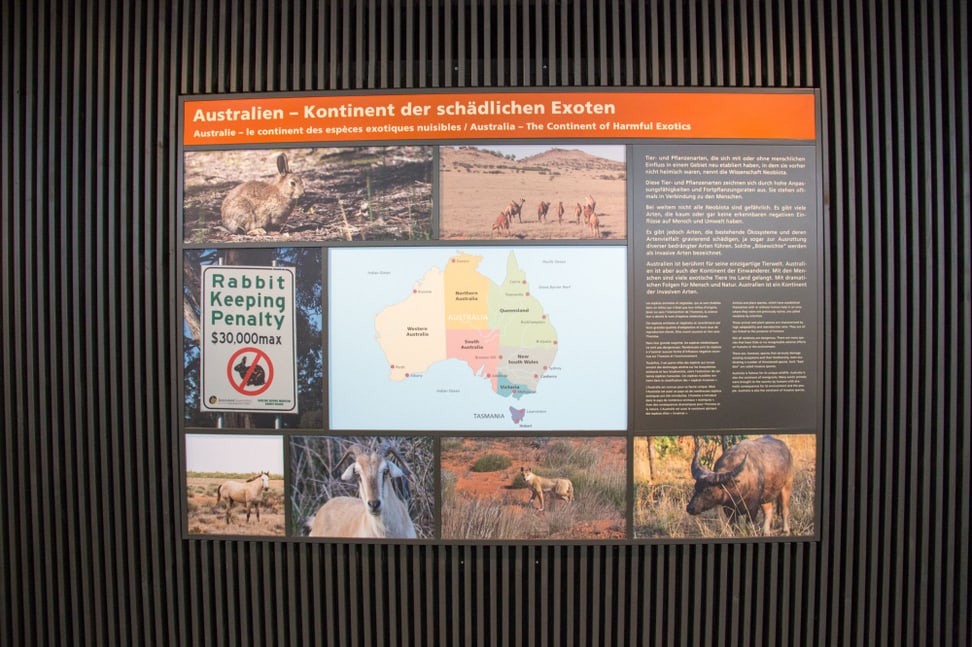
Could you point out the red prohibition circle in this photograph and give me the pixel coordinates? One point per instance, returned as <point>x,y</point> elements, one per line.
<point>258,356</point>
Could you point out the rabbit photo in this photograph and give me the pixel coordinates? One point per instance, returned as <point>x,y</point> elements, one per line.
<point>256,206</point>
<point>337,193</point>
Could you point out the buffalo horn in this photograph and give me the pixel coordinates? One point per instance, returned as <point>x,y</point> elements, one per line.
<point>703,475</point>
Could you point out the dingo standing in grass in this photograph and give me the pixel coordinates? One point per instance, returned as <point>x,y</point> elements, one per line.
<point>562,488</point>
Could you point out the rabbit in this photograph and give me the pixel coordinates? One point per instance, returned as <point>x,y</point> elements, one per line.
<point>257,378</point>
<point>255,206</point>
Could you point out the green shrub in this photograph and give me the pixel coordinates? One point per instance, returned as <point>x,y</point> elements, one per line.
<point>491,463</point>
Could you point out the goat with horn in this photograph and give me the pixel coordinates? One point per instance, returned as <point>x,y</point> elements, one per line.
<point>377,511</point>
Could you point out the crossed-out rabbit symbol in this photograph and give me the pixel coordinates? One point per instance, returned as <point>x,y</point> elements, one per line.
<point>257,377</point>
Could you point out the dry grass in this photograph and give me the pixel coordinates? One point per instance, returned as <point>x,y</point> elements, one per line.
<point>476,518</point>
<point>498,506</point>
<point>351,193</point>
<point>205,517</point>
<point>659,505</point>
<point>474,192</point>
<point>316,477</point>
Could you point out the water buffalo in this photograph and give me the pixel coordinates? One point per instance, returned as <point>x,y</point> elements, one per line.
<point>750,475</point>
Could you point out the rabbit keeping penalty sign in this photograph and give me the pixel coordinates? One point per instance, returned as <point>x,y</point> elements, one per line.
<point>253,379</point>
<point>247,349</point>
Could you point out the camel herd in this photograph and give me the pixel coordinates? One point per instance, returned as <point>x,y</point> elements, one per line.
<point>586,210</point>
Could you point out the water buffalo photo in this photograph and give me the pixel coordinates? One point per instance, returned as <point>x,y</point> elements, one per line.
<point>725,486</point>
<point>752,475</point>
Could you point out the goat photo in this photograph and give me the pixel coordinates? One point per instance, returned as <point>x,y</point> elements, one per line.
<point>574,192</point>
<point>362,487</point>
<point>234,485</point>
<point>724,486</point>
<point>533,488</point>
<point>308,194</point>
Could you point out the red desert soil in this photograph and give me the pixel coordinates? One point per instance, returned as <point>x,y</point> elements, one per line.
<point>498,485</point>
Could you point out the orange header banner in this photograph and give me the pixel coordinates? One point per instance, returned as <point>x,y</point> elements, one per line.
<point>557,115</point>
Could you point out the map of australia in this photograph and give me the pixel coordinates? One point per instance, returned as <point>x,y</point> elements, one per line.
<point>500,331</point>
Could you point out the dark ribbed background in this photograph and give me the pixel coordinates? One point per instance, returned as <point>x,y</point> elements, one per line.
<point>90,549</point>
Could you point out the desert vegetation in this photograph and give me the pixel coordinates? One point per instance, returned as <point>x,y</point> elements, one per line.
<point>484,496</point>
<point>482,194</point>
<point>348,193</point>
<point>316,470</point>
<point>206,517</point>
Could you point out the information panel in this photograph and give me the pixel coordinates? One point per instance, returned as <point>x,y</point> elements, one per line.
<point>516,316</point>
<point>730,292</point>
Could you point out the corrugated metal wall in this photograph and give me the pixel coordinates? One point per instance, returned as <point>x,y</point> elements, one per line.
<point>90,549</point>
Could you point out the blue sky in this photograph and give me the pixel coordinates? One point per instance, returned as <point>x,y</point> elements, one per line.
<point>229,453</point>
